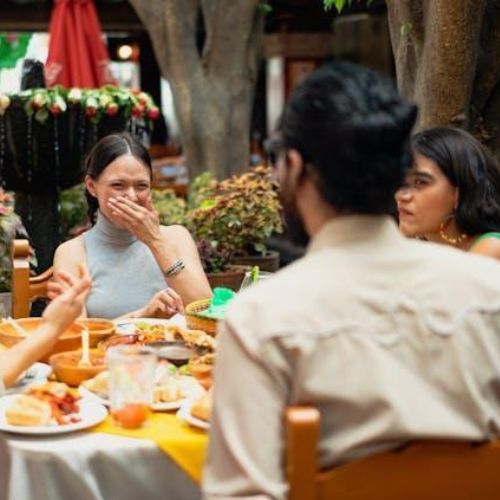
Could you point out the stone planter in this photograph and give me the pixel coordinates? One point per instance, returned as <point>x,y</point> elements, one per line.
<point>270,261</point>
<point>5,304</point>
<point>232,278</point>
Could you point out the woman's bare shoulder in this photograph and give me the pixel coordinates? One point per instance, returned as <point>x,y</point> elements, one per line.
<point>72,250</point>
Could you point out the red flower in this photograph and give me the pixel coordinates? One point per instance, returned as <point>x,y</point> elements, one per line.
<point>137,111</point>
<point>90,111</point>
<point>112,109</point>
<point>55,109</point>
<point>153,113</point>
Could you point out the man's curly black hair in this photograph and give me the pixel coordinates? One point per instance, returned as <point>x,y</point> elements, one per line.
<point>351,126</point>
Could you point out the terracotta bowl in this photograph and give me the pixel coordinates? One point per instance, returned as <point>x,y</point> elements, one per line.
<point>69,340</point>
<point>66,369</point>
<point>99,329</point>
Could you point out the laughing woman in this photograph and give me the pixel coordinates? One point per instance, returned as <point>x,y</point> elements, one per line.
<point>138,267</point>
<point>452,193</point>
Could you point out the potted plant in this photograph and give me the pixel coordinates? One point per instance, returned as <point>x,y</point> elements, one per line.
<point>11,228</point>
<point>170,207</point>
<point>233,221</point>
<point>73,214</point>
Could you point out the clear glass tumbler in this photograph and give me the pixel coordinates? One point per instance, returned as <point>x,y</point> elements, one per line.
<point>131,383</point>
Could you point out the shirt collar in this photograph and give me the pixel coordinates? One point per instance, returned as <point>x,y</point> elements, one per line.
<point>350,228</point>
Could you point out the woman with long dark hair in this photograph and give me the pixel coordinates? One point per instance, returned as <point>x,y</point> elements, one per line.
<point>138,267</point>
<point>451,194</point>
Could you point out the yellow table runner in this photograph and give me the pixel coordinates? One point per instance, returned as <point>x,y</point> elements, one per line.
<point>186,445</point>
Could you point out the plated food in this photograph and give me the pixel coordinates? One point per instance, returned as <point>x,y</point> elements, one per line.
<point>160,334</point>
<point>171,388</point>
<point>202,407</point>
<point>197,412</point>
<point>202,369</point>
<point>51,403</point>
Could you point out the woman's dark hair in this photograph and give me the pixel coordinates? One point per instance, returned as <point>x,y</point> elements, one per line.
<point>104,152</point>
<point>351,127</point>
<point>470,167</point>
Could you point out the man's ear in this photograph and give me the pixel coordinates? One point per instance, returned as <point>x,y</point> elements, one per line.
<point>295,166</point>
<point>90,185</point>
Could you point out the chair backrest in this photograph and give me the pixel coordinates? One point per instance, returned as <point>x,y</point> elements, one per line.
<point>444,470</point>
<point>25,289</point>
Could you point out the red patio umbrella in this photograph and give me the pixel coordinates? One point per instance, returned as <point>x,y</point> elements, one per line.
<point>78,56</point>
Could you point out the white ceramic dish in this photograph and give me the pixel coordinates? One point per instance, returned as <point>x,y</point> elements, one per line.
<point>91,413</point>
<point>184,414</point>
<point>190,386</point>
<point>127,326</point>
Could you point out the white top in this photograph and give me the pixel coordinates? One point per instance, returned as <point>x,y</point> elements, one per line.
<point>391,339</point>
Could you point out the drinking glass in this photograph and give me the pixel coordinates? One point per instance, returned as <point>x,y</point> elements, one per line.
<point>131,383</point>
<point>247,280</point>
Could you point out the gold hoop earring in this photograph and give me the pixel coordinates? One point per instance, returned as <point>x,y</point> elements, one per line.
<point>450,239</point>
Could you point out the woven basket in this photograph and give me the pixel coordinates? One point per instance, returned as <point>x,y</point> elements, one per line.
<point>196,322</point>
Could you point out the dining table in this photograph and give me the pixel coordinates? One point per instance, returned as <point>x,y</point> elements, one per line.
<point>162,460</point>
<point>92,466</point>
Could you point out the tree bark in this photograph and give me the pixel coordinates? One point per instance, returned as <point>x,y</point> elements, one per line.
<point>213,88</point>
<point>436,65</point>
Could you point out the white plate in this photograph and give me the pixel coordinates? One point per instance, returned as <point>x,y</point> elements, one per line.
<point>91,413</point>
<point>127,326</point>
<point>184,413</point>
<point>36,373</point>
<point>190,386</point>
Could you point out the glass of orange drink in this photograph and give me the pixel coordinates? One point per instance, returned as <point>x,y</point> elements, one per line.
<point>131,383</point>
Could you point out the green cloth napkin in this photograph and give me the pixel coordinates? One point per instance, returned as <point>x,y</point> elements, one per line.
<point>218,306</point>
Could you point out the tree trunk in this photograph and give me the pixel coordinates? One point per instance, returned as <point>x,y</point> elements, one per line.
<point>436,44</point>
<point>447,55</point>
<point>213,87</point>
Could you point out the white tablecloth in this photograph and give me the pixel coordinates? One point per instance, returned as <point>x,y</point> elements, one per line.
<point>92,466</point>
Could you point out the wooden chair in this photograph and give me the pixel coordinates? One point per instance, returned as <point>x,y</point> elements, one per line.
<point>432,470</point>
<point>25,288</point>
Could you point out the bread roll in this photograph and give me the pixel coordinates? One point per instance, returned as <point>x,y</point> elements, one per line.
<point>29,411</point>
<point>202,407</point>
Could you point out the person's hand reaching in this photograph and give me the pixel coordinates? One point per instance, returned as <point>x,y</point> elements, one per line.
<point>164,304</point>
<point>70,294</point>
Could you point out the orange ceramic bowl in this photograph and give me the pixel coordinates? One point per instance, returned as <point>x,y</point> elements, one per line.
<point>69,340</point>
<point>99,329</point>
<point>66,369</point>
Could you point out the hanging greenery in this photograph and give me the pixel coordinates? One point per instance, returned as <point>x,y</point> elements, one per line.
<point>96,103</point>
<point>45,133</point>
<point>12,48</point>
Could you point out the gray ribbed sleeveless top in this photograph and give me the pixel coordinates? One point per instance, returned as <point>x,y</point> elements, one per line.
<point>124,273</point>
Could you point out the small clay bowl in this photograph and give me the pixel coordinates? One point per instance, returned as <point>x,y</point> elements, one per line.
<point>66,369</point>
<point>69,340</point>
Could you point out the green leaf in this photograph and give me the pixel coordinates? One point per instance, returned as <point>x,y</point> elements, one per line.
<point>42,115</point>
<point>405,28</point>
<point>28,109</point>
<point>263,7</point>
<point>338,4</point>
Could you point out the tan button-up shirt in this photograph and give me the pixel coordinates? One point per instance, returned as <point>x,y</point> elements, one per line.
<point>392,339</point>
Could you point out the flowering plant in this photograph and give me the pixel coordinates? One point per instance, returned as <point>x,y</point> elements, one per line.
<point>11,227</point>
<point>96,103</point>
